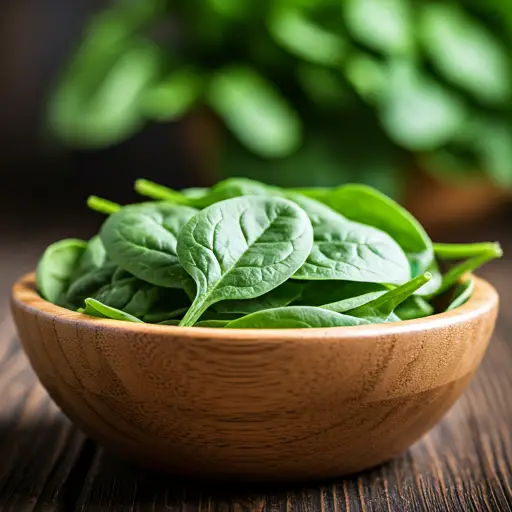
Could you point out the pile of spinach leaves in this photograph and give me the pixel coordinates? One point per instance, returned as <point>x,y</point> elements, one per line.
<point>243,254</point>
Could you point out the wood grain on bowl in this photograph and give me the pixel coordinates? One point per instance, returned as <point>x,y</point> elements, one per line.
<point>271,404</point>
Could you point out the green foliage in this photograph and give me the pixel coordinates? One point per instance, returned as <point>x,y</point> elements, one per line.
<point>251,255</point>
<point>295,81</point>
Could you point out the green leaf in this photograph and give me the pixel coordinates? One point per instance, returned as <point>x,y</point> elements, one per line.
<point>56,268</point>
<point>93,258</point>
<point>318,293</point>
<point>342,306</point>
<point>97,101</point>
<point>383,25</point>
<point>142,239</point>
<point>466,52</point>
<point>414,307</point>
<point>301,37</point>
<point>242,248</point>
<point>382,308</point>
<point>212,323</point>
<point>174,96</point>
<point>463,251</point>
<point>294,317</point>
<point>88,284</point>
<point>255,112</point>
<point>462,294</point>
<point>349,251</point>
<point>281,296</point>
<point>416,112</point>
<point>366,205</point>
<point>97,309</point>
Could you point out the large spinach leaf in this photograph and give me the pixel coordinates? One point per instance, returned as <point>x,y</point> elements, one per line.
<point>56,268</point>
<point>349,251</point>
<point>242,248</point>
<point>294,317</point>
<point>414,307</point>
<point>142,239</point>
<point>366,205</point>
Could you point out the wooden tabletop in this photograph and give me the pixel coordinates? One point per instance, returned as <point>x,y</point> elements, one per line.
<point>464,463</point>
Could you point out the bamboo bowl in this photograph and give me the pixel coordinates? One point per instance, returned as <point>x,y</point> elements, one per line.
<point>253,404</point>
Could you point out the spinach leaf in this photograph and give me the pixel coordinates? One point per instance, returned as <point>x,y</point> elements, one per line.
<point>56,268</point>
<point>89,284</point>
<point>242,248</point>
<point>382,308</point>
<point>120,274</point>
<point>464,251</point>
<point>161,317</point>
<point>349,251</point>
<point>366,205</point>
<point>318,293</point>
<point>98,204</point>
<point>142,239</point>
<point>342,306</point>
<point>94,257</point>
<point>171,321</point>
<point>212,323</point>
<point>294,317</point>
<point>281,296</point>
<point>95,308</point>
<point>462,293</point>
<point>414,307</point>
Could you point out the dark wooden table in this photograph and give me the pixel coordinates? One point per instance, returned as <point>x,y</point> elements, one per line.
<point>464,463</point>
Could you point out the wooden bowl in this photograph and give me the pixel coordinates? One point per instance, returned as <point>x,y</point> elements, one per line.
<point>255,404</point>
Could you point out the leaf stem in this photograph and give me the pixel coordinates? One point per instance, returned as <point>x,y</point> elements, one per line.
<point>101,205</point>
<point>159,192</point>
<point>464,251</point>
<point>470,265</point>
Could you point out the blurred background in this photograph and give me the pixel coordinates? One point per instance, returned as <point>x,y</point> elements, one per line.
<point>412,97</point>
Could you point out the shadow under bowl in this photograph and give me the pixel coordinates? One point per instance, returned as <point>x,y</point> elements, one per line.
<point>254,404</point>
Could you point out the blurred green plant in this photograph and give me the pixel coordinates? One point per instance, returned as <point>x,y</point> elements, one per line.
<point>307,91</point>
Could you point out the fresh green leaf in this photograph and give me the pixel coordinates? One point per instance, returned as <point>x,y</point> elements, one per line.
<point>366,205</point>
<point>255,112</point>
<point>350,251</point>
<point>300,36</point>
<point>88,284</point>
<point>414,307</point>
<point>318,293</point>
<point>94,257</point>
<point>383,25</point>
<point>212,323</point>
<point>294,317</point>
<point>418,113</point>
<point>382,308</point>
<point>281,296</point>
<point>97,309</point>
<point>142,239</point>
<point>242,248</point>
<point>173,97</point>
<point>342,306</point>
<point>464,51</point>
<point>462,293</point>
<point>56,268</point>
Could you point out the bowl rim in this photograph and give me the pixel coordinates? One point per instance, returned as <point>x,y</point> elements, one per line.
<point>485,298</point>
